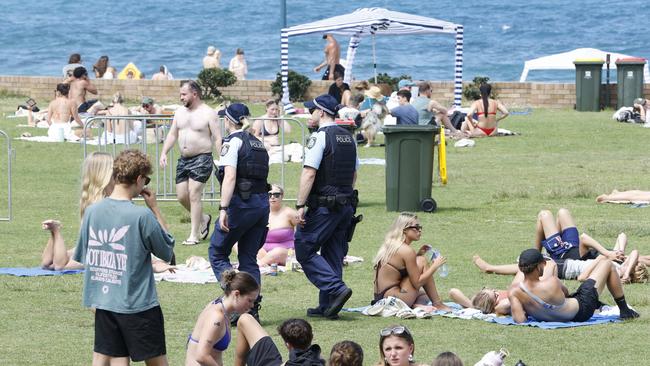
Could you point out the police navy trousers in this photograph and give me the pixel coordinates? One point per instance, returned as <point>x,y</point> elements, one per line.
<point>248,223</point>
<point>324,229</point>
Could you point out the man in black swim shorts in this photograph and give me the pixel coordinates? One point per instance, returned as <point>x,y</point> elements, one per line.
<point>541,295</point>
<point>195,127</point>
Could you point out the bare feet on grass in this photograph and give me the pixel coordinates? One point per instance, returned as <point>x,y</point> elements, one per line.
<point>481,264</point>
<point>51,225</point>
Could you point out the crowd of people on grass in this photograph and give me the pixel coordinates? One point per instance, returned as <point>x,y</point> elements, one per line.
<point>121,244</point>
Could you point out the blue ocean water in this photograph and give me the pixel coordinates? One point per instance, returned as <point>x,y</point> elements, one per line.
<point>36,37</point>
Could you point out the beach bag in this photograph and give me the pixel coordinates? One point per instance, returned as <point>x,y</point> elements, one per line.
<point>457,119</point>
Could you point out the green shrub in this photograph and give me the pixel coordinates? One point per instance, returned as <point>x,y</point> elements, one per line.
<point>471,91</point>
<point>298,86</point>
<point>211,80</point>
<point>384,78</point>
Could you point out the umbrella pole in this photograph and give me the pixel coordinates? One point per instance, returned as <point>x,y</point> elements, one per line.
<point>374,57</point>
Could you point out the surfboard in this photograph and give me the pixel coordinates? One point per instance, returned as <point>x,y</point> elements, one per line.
<point>130,67</point>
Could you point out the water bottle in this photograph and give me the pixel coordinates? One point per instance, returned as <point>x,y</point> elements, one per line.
<point>443,271</point>
<point>493,358</point>
<point>291,259</point>
<point>274,269</point>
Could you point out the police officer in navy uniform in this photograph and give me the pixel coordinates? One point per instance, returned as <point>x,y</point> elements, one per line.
<point>244,209</point>
<point>326,188</point>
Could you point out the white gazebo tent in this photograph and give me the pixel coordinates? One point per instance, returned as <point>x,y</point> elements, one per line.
<point>372,21</point>
<point>564,61</point>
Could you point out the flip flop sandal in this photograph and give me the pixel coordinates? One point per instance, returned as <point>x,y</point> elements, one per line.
<point>206,230</point>
<point>190,242</point>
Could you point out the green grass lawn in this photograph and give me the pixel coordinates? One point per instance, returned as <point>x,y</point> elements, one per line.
<point>561,159</point>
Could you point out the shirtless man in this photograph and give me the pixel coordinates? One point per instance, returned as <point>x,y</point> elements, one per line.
<point>59,113</point>
<point>79,85</point>
<point>332,58</point>
<point>118,130</point>
<point>195,127</point>
<point>541,294</point>
<point>642,106</point>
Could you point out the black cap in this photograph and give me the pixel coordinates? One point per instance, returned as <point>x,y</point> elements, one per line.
<point>530,257</point>
<point>235,112</point>
<point>325,102</point>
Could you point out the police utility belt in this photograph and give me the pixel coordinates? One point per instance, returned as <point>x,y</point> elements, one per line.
<point>245,187</point>
<point>330,201</point>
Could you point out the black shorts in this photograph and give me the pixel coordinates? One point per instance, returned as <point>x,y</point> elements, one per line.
<point>588,302</point>
<point>140,336</point>
<point>85,106</point>
<point>574,253</point>
<point>198,168</point>
<point>264,353</point>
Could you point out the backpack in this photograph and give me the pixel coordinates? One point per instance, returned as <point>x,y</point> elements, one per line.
<point>457,119</point>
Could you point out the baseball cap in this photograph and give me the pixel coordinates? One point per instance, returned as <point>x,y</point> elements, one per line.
<point>530,257</point>
<point>325,102</point>
<point>235,112</point>
<point>404,83</point>
<point>147,100</point>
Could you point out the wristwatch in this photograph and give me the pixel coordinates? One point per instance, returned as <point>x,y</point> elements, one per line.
<point>298,207</point>
<point>223,208</point>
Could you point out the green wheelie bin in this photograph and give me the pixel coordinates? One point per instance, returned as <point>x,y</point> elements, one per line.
<point>588,78</point>
<point>629,79</point>
<point>409,167</point>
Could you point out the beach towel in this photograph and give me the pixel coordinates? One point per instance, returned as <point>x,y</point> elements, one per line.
<point>633,204</point>
<point>372,161</point>
<point>36,271</point>
<point>391,306</point>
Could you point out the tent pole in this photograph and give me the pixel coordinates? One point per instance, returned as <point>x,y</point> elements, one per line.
<point>374,57</point>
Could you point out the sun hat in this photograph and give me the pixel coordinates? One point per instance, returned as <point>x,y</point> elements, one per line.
<point>325,102</point>
<point>530,257</point>
<point>405,83</point>
<point>374,92</point>
<point>235,112</point>
<point>147,100</point>
<point>211,50</point>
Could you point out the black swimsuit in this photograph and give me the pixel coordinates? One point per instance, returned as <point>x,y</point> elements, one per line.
<point>403,273</point>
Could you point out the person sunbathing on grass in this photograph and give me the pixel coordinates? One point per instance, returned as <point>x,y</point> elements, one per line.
<point>97,183</point>
<point>538,292</point>
<point>631,269</point>
<point>399,272</point>
<point>633,196</point>
<point>488,300</point>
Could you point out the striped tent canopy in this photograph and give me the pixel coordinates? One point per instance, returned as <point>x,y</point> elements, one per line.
<point>372,21</point>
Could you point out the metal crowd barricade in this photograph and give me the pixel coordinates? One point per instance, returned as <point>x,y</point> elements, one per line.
<point>281,133</point>
<point>164,177</point>
<point>9,157</point>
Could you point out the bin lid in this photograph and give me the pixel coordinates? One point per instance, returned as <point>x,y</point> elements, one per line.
<point>631,60</point>
<point>409,128</point>
<point>588,61</point>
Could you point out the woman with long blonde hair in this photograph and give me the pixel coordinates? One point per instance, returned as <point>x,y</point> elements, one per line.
<point>401,272</point>
<point>96,183</point>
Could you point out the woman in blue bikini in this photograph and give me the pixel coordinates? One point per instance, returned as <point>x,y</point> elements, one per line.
<point>212,335</point>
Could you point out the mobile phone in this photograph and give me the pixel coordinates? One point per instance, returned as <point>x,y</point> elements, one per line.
<point>30,102</point>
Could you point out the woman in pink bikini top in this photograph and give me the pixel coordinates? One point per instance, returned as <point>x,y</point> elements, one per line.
<point>282,225</point>
<point>486,112</point>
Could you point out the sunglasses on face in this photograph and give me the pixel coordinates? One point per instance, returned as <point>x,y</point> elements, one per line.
<point>147,180</point>
<point>145,106</point>
<point>415,227</point>
<point>275,194</point>
<point>311,110</point>
<point>393,330</point>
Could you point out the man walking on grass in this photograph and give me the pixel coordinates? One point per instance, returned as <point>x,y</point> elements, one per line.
<point>195,128</point>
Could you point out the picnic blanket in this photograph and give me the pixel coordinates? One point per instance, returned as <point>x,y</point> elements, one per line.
<point>391,306</point>
<point>36,271</point>
<point>633,204</point>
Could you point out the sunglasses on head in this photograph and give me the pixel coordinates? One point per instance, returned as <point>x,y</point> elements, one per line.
<point>394,330</point>
<point>275,194</point>
<point>416,227</point>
